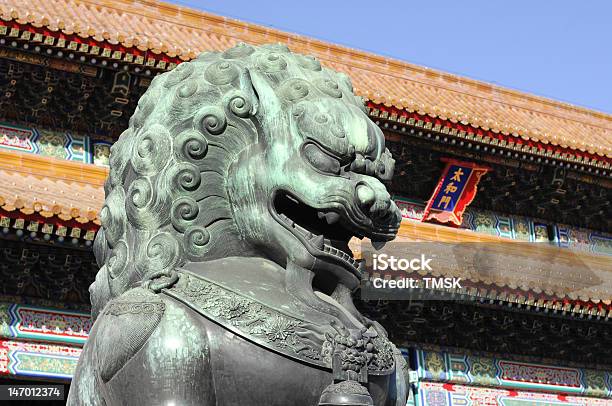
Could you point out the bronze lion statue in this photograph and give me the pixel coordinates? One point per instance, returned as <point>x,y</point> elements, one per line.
<point>225,273</point>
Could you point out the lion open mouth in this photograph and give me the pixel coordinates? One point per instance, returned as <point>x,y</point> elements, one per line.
<point>321,231</point>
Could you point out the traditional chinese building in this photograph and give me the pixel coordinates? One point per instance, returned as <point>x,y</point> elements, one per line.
<point>525,332</point>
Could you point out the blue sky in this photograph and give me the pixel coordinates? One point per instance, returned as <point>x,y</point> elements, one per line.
<point>555,48</point>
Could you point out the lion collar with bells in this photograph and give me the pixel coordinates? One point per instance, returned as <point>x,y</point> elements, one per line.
<point>225,272</point>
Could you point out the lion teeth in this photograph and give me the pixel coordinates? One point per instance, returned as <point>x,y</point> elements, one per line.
<point>328,249</point>
<point>318,242</point>
<point>293,199</point>
<point>332,218</point>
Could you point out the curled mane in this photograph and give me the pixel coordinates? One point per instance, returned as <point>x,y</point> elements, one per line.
<point>166,196</point>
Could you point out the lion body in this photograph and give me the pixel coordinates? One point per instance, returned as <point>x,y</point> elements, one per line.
<point>173,355</point>
<point>205,291</point>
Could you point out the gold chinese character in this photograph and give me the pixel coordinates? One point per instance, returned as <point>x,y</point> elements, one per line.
<point>457,175</point>
<point>445,200</point>
<point>450,188</point>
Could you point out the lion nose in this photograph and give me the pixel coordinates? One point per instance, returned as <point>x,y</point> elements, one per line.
<point>366,197</point>
<point>377,206</point>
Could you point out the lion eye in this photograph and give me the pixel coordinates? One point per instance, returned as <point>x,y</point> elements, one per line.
<point>321,160</point>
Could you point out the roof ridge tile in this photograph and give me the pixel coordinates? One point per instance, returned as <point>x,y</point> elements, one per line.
<point>186,31</point>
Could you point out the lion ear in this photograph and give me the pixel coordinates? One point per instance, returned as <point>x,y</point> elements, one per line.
<point>269,105</point>
<point>247,87</point>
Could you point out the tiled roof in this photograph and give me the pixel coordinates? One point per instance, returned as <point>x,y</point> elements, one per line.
<point>68,190</point>
<point>181,31</point>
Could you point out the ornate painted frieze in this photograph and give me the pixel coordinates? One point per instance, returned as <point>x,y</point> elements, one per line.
<point>55,144</point>
<point>36,323</point>
<point>18,138</point>
<point>441,394</point>
<point>101,152</point>
<point>409,209</point>
<point>584,240</point>
<point>31,359</point>
<point>484,371</point>
<point>524,229</point>
<point>520,228</point>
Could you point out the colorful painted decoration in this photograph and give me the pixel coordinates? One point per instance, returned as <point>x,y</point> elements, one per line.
<point>484,371</point>
<point>455,191</point>
<point>101,153</point>
<point>441,394</point>
<point>30,322</point>
<point>409,209</point>
<point>519,228</point>
<point>31,359</point>
<point>56,144</point>
<point>17,138</point>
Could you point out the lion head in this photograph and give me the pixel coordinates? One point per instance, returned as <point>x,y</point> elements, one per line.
<point>255,151</point>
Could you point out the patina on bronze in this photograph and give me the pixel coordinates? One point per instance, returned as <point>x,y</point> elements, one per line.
<point>225,274</point>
